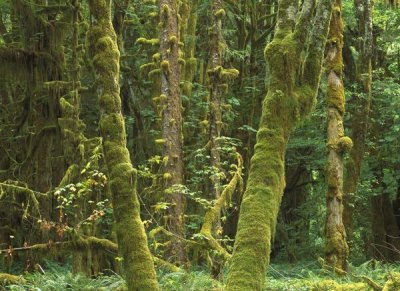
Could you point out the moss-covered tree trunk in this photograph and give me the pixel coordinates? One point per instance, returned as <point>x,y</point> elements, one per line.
<point>131,236</point>
<point>189,49</point>
<point>289,100</point>
<point>172,126</point>
<point>336,249</point>
<point>216,90</point>
<point>360,104</point>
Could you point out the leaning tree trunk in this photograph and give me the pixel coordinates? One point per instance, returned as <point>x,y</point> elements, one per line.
<point>172,126</point>
<point>289,100</point>
<point>131,236</point>
<point>359,111</point>
<point>336,249</point>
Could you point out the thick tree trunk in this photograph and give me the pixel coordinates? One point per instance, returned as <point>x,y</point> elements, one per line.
<point>289,100</point>
<point>172,126</point>
<point>131,236</point>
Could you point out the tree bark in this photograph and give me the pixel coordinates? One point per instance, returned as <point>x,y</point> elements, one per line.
<point>172,126</point>
<point>131,236</point>
<point>336,249</point>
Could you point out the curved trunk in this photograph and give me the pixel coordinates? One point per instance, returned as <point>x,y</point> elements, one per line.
<point>289,100</point>
<point>131,236</point>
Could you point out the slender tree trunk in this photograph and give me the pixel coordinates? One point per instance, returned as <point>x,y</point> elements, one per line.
<point>172,125</point>
<point>289,100</point>
<point>131,236</point>
<point>216,92</point>
<point>336,249</point>
<point>359,110</point>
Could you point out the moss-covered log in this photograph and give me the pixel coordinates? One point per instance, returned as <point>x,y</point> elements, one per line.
<point>289,100</point>
<point>131,236</point>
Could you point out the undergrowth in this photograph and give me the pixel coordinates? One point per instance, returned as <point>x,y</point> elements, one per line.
<point>301,276</point>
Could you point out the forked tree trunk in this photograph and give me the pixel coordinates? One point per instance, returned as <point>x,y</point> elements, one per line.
<point>289,100</point>
<point>131,236</point>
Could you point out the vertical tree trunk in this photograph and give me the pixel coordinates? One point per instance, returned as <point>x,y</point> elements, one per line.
<point>289,100</point>
<point>359,109</point>
<point>131,236</point>
<point>172,125</point>
<point>216,91</point>
<point>336,249</point>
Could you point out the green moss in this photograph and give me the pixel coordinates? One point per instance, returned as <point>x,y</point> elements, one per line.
<point>393,282</point>
<point>160,141</point>
<point>229,74</point>
<point>220,13</point>
<point>345,144</point>
<point>131,236</point>
<point>154,73</point>
<point>165,66</point>
<point>7,279</point>
<point>173,40</point>
<point>335,97</point>
<point>143,40</point>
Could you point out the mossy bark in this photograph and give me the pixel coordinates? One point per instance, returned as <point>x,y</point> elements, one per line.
<point>289,100</point>
<point>336,249</point>
<point>102,42</point>
<point>172,126</point>
<point>359,110</point>
<point>217,47</point>
<point>189,49</point>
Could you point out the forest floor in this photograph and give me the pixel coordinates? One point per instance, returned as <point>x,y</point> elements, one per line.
<point>302,276</point>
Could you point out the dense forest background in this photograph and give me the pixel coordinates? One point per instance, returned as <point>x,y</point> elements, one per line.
<point>132,131</point>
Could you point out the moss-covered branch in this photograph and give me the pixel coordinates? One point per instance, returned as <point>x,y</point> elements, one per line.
<point>212,216</point>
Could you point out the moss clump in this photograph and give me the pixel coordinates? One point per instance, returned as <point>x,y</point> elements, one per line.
<point>154,73</point>
<point>165,66</point>
<point>220,13</point>
<point>173,40</point>
<point>345,144</point>
<point>7,279</point>
<point>229,74</point>
<point>393,282</point>
<point>160,141</point>
<point>143,40</point>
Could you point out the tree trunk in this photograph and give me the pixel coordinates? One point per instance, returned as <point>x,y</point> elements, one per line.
<point>289,100</point>
<point>131,236</point>
<point>359,110</point>
<point>172,126</point>
<point>336,249</point>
